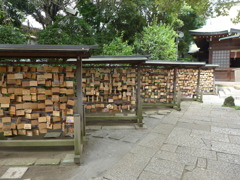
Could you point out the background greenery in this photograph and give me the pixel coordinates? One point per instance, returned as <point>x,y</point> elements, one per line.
<point>119,27</point>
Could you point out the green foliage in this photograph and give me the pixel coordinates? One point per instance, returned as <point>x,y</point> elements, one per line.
<point>158,41</point>
<point>118,47</point>
<point>11,35</point>
<point>229,101</point>
<point>110,18</point>
<point>191,21</point>
<point>70,30</point>
<point>237,107</point>
<point>99,22</point>
<point>10,14</point>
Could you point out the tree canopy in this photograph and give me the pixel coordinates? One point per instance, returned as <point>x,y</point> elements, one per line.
<point>157,40</point>
<point>70,30</point>
<point>118,47</point>
<point>11,35</point>
<point>101,21</point>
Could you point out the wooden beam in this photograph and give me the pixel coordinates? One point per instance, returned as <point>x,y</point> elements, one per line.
<point>79,93</point>
<point>174,84</point>
<point>157,104</point>
<point>178,101</point>
<point>189,99</point>
<point>198,90</point>
<point>113,118</point>
<point>198,80</point>
<point>33,143</point>
<point>84,121</point>
<point>43,54</point>
<point>53,62</point>
<point>77,138</point>
<point>138,96</point>
<point>78,126</point>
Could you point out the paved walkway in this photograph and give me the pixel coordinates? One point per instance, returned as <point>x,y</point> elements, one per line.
<point>200,142</point>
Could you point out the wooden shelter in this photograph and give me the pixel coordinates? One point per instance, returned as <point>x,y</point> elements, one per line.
<point>104,91</point>
<point>58,52</point>
<point>110,83</point>
<point>219,46</point>
<point>176,69</point>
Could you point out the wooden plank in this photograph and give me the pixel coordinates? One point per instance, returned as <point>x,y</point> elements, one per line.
<point>33,143</point>
<point>107,118</point>
<point>157,104</point>
<point>188,99</point>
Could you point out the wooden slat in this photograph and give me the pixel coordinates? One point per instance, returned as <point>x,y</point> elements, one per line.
<point>157,104</point>
<point>113,118</point>
<point>45,142</point>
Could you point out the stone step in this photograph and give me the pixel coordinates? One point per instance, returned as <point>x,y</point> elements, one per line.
<point>227,91</point>
<point>222,94</point>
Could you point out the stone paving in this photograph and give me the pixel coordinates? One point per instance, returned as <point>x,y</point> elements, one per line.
<point>200,142</point>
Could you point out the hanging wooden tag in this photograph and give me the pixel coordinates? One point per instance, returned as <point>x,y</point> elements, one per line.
<point>3,69</point>
<point>70,91</point>
<point>27,98</point>
<point>69,69</point>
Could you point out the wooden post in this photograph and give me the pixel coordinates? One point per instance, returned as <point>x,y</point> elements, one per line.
<point>77,138</point>
<point>78,128</point>
<point>179,97</point>
<point>174,85</point>
<point>198,84</point>
<point>201,97</point>
<point>229,74</point>
<point>138,96</point>
<point>79,94</point>
<point>84,121</point>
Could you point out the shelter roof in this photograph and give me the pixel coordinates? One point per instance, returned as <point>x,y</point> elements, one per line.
<point>114,60</point>
<point>44,51</point>
<point>175,63</point>
<point>213,30</point>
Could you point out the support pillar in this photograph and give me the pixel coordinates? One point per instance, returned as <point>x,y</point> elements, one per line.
<point>198,91</point>
<point>78,118</point>
<point>174,85</point>
<point>80,94</point>
<point>77,138</point>
<point>138,96</point>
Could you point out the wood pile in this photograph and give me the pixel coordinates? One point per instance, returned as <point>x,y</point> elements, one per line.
<point>34,100</point>
<point>109,89</point>
<point>157,85</point>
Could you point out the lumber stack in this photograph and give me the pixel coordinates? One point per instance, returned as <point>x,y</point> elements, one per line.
<point>207,80</point>
<point>157,85</point>
<point>34,100</point>
<point>109,89</point>
<point>187,81</point>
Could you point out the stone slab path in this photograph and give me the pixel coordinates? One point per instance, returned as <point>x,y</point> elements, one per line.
<point>200,142</point>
